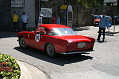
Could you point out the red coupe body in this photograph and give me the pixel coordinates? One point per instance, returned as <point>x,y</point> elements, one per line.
<point>96,21</point>
<point>63,39</point>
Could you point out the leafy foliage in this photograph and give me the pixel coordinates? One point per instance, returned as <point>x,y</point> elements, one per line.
<point>9,69</point>
<point>86,3</point>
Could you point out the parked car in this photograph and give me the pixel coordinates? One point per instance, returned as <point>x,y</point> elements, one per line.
<point>96,21</point>
<point>54,39</point>
<point>116,18</point>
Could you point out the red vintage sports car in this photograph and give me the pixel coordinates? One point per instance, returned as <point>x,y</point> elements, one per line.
<point>54,39</point>
<point>96,21</point>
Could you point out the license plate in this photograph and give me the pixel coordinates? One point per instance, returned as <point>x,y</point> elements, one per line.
<point>82,45</point>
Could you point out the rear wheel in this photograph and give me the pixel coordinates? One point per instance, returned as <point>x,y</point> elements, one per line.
<point>50,50</point>
<point>22,42</point>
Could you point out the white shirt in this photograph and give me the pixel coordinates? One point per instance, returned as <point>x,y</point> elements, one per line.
<point>40,21</point>
<point>24,18</point>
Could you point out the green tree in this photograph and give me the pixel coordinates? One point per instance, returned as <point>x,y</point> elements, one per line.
<point>86,3</point>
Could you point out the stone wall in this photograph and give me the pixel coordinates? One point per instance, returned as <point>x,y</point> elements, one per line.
<point>82,16</point>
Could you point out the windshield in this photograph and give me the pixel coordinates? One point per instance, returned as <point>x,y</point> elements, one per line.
<point>96,18</point>
<point>61,32</point>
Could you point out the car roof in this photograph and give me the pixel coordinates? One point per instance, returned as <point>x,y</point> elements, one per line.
<point>51,26</point>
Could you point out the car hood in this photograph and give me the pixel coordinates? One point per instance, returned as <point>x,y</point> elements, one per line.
<point>74,38</point>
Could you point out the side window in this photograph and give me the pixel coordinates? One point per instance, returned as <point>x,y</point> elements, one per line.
<point>41,30</point>
<point>52,33</point>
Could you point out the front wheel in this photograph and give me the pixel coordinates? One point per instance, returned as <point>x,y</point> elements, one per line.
<point>50,50</point>
<point>22,42</point>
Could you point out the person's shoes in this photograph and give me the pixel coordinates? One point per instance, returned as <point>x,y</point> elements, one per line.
<point>98,40</point>
<point>103,40</point>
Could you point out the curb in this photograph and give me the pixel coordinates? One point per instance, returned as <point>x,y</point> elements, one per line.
<point>30,72</point>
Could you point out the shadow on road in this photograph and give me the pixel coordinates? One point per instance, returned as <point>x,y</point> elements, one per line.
<point>60,60</point>
<point>109,34</point>
<point>80,28</point>
<point>8,34</point>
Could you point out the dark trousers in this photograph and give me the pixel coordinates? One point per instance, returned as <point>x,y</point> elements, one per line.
<point>100,31</point>
<point>15,26</point>
<point>24,26</point>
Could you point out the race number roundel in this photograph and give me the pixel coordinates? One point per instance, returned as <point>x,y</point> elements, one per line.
<point>37,37</point>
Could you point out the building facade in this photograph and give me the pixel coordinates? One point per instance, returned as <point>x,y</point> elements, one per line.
<point>111,6</point>
<point>5,15</point>
<point>27,6</point>
<point>81,14</point>
<point>8,7</point>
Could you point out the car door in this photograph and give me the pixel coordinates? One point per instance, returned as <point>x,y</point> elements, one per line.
<point>28,38</point>
<point>37,37</point>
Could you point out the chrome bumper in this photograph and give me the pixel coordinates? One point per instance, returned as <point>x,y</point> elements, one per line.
<point>80,52</point>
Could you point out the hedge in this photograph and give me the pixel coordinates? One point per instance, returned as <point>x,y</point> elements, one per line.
<point>9,69</point>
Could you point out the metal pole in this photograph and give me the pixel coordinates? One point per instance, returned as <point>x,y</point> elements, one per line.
<point>77,14</point>
<point>39,6</point>
<point>114,19</point>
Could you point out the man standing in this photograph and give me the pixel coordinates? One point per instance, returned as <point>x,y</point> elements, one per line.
<point>54,20</point>
<point>24,19</point>
<point>57,20</point>
<point>40,19</point>
<point>15,19</point>
<point>102,25</point>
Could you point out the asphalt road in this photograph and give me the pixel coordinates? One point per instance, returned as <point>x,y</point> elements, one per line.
<point>103,63</point>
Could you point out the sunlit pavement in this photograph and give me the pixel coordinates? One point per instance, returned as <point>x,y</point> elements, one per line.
<point>102,63</point>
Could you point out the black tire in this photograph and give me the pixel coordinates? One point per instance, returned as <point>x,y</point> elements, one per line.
<point>22,42</point>
<point>50,51</point>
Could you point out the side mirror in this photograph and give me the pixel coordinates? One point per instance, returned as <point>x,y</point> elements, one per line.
<point>37,32</point>
<point>43,32</point>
